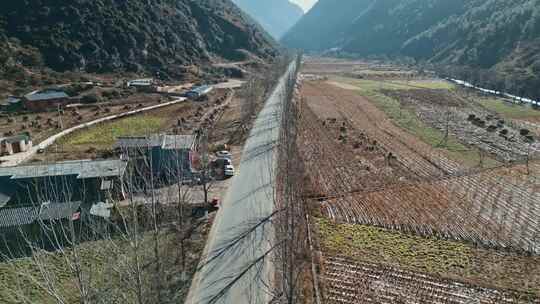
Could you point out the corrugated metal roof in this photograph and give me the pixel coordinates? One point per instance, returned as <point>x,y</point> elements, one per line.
<point>178,142</point>
<point>56,211</point>
<point>201,90</point>
<point>45,95</point>
<point>166,142</point>
<point>10,217</point>
<point>18,138</point>
<point>83,169</point>
<point>138,141</point>
<point>13,217</point>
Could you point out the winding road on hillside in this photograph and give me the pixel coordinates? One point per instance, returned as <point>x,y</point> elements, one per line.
<point>236,267</point>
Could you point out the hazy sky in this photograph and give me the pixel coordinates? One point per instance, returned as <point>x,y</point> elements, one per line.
<point>305,4</point>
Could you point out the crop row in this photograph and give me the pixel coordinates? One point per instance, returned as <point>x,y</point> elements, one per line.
<point>484,209</point>
<point>348,281</point>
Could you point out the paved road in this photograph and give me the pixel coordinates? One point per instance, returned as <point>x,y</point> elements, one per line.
<point>16,159</point>
<point>249,199</point>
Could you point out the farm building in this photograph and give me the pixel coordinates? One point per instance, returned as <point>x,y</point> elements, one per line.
<point>85,181</point>
<point>15,144</point>
<point>143,85</point>
<point>198,92</point>
<point>36,200</point>
<point>45,100</point>
<point>166,157</point>
<point>45,226</point>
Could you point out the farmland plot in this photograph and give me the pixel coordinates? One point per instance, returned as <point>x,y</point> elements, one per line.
<point>483,209</point>
<point>443,111</point>
<point>418,192</point>
<point>416,156</point>
<point>354,282</point>
<point>404,220</point>
<point>357,165</point>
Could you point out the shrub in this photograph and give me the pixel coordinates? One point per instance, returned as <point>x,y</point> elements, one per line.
<point>90,98</point>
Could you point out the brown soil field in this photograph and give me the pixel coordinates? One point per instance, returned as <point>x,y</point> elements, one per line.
<point>365,170</point>
<point>45,124</point>
<point>328,101</point>
<point>92,143</point>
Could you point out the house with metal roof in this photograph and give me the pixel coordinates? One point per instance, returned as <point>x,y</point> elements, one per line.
<point>86,181</point>
<point>145,84</point>
<point>15,144</point>
<point>48,226</point>
<point>198,92</point>
<point>166,157</point>
<point>45,100</point>
<point>40,198</point>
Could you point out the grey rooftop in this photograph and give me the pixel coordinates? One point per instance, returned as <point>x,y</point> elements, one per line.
<point>14,217</point>
<point>81,168</point>
<point>45,95</point>
<point>165,142</point>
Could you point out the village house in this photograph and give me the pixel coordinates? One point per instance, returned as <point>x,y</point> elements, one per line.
<point>15,144</point>
<point>198,92</point>
<point>143,85</point>
<point>83,181</point>
<point>45,100</point>
<point>38,199</point>
<point>167,157</point>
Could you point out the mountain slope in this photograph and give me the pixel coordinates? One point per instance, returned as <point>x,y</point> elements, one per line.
<point>112,35</point>
<point>324,26</point>
<point>494,36</point>
<point>276,16</point>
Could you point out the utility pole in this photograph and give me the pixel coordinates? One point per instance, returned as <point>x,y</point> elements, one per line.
<point>60,118</point>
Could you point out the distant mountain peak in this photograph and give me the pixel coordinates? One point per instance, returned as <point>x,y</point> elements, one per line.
<point>494,35</point>
<point>275,16</point>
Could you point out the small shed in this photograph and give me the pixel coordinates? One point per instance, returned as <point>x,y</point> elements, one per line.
<point>198,92</point>
<point>44,226</point>
<point>143,85</point>
<point>64,181</point>
<point>15,144</point>
<point>166,157</point>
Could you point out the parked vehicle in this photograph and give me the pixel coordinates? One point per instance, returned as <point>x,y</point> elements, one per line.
<point>229,171</point>
<point>224,154</point>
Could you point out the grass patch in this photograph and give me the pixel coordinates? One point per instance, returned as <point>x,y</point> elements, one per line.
<point>108,271</point>
<point>104,135</point>
<point>407,120</point>
<point>431,255</point>
<point>371,85</point>
<point>509,110</point>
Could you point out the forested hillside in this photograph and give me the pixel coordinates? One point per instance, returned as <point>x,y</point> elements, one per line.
<point>276,16</point>
<point>116,35</point>
<point>494,42</point>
